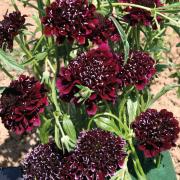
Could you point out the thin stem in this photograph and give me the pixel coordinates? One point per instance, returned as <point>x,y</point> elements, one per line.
<point>59,125</point>
<point>168,18</point>
<point>38,44</point>
<point>107,106</point>
<point>137,37</point>
<point>14,5</point>
<point>127,4</point>
<point>23,47</point>
<point>158,160</point>
<point>6,72</point>
<point>47,2</point>
<point>54,96</point>
<point>136,159</point>
<point>51,67</point>
<point>29,4</point>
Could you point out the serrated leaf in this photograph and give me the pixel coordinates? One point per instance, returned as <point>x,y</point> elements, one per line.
<point>123,38</point>
<point>9,61</point>
<point>69,127</point>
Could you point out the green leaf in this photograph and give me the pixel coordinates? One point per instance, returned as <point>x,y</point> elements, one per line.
<point>123,38</point>
<point>106,124</point>
<point>57,137</point>
<point>2,89</point>
<point>44,130</point>
<point>163,91</point>
<point>178,45</point>
<point>165,171</point>
<point>9,61</point>
<point>161,67</point>
<point>41,56</point>
<point>132,109</point>
<point>69,127</point>
<point>178,92</point>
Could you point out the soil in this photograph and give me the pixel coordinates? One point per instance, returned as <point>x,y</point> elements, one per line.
<point>13,148</point>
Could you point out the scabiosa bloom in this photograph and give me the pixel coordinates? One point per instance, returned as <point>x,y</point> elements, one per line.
<point>9,28</point>
<point>98,155</point>
<point>97,69</point>
<point>136,16</point>
<point>42,163</point>
<point>77,20</point>
<point>138,70</point>
<point>74,19</point>
<point>21,103</point>
<point>155,131</point>
<point>106,30</point>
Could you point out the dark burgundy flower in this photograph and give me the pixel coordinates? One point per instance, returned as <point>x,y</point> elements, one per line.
<point>9,28</point>
<point>155,131</point>
<point>97,69</point>
<point>138,70</point>
<point>42,163</point>
<point>74,19</point>
<point>136,16</point>
<point>77,20</point>
<point>106,30</point>
<point>21,103</point>
<point>98,155</point>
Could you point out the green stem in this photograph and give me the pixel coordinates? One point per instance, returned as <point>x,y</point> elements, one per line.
<point>6,72</point>
<point>107,106</point>
<point>168,18</point>
<point>54,96</point>
<point>136,158</point>
<point>38,44</point>
<point>58,124</point>
<point>23,47</point>
<point>29,4</point>
<point>51,66</point>
<point>158,160</point>
<point>48,2</point>
<point>127,4</point>
<point>14,5</point>
<point>137,37</point>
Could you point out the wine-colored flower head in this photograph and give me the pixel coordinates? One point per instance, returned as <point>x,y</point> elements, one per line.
<point>97,69</point>
<point>9,28</point>
<point>74,19</point>
<point>77,20</point>
<point>21,103</point>
<point>155,131</point>
<point>136,16</point>
<point>106,30</point>
<point>138,70</point>
<point>98,155</point>
<point>42,163</point>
